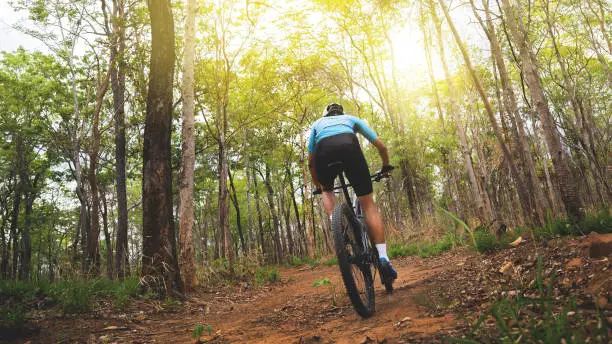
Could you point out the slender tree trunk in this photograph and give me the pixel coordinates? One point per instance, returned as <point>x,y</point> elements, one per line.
<point>287,215</point>
<point>569,192</point>
<point>4,249</point>
<point>159,261</point>
<point>118,88</point>
<point>275,224</point>
<point>481,213</point>
<point>512,109</point>
<point>107,236</point>
<point>26,244</point>
<point>294,202</point>
<point>93,245</point>
<point>259,219</point>
<point>523,194</point>
<point>308,214</point>
<point>234,198</point>
<point>186,209</point>
<point>581,125</point>
<point>247,164</point>
<point>408,185</point>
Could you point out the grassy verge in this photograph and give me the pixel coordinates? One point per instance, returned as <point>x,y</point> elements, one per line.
<point>422,249</point>
<point>70,296</point>
<point>481,240</point>
<point>540,319</point>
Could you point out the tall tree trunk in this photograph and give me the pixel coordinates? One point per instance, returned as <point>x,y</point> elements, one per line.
<point>523,194</point>
<point>275,224</point>
<point>14,234</point>
<point>307,201</point>
<point>259,219</point>
<point>93,246</point>
<point>247,164</point>
<point>4,249</point>
<point>408,185</point>
<point>481,213</point>
<point>286,211</point>
<point>159,259</point>
<point>294,202</point>
<point>26,243</point>
<point>581,124</point>
<point>228,250</point>
<point>107,236</point>
<point>186,209</point>
<point>512,110</point>
<point>234,198</point>
<point>118,87</point>
<point>569,192</point>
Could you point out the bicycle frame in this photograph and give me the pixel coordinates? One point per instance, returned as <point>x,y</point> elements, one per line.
<point>356,207</point>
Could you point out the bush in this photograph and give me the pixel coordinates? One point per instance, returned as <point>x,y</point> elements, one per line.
<point>423,250</point>
<point>73,296</point>
<point>485,241</point>
<point>264,275</point>
<point>296,261</point>
<point>12,318</point>
<point>331,261</point>
<point>600,223</point>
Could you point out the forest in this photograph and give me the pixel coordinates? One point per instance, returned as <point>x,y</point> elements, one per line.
<point>164,143</point>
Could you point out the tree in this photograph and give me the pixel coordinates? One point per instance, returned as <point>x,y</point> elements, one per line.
<point>159,256</point>
<point>186,208</point>
<point>569,191</point>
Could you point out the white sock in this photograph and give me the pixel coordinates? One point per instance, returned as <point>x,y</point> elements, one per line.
<point>382,251</point>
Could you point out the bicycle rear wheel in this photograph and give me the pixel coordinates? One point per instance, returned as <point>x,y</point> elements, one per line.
<point>354,264</point>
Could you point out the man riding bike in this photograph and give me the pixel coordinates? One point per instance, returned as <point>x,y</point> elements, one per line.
<point>333,138</point>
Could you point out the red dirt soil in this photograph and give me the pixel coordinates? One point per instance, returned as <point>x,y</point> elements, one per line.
<point>292,311</point>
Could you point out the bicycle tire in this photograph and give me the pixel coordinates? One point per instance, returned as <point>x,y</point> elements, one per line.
<point>343,225</point>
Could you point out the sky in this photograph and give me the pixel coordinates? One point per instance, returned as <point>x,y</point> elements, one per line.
<point>407,41</point>
<point>11,39</point>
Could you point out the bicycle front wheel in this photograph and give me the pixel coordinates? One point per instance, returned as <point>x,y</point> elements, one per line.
<point>352,260</point>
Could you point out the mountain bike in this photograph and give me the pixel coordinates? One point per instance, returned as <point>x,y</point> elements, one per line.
<point>355,250</point>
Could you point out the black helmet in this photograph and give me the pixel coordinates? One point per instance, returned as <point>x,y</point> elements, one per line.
<point>333,109</point>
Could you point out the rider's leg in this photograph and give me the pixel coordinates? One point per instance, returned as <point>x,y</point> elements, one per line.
<point>329,201</point>
<point>376,231</point>
<point>372,218</point>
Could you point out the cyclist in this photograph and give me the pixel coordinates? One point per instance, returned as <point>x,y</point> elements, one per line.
<point>332,139</point>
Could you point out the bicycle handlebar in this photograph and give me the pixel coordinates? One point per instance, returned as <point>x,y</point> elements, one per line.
<point>378,176</point>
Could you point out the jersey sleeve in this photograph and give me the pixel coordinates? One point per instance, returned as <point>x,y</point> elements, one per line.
<point>362,128</point>
<point>311,140</point>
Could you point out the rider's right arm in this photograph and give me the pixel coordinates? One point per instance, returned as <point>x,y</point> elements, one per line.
<point>382,150</point>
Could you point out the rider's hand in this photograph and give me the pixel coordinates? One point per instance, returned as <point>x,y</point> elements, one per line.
<point>386,170</point>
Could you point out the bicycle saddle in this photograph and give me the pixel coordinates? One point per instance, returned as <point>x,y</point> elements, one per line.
<point>336,164</point>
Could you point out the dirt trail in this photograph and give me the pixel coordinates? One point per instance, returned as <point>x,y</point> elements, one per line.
<point>292,311</point>
<point>424,307</point>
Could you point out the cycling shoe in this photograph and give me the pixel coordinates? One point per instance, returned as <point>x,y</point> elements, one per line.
<point>387,270</point>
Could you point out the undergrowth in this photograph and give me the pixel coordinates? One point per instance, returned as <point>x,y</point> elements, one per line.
<point>70,296</point>
<point>483,241</point>
<point>540,319</point>
<point>422,249</point>
<point>247,269</point>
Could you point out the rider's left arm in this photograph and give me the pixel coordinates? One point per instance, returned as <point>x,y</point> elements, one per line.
<point>313,172</point>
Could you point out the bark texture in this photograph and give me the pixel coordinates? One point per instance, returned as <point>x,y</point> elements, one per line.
<point>186,206</point>
<point>159,261</point>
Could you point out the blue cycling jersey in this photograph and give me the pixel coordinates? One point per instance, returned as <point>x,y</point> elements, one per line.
<point>339,124</point>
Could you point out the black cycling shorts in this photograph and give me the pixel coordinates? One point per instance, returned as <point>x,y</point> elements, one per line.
<point>342,148</point>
